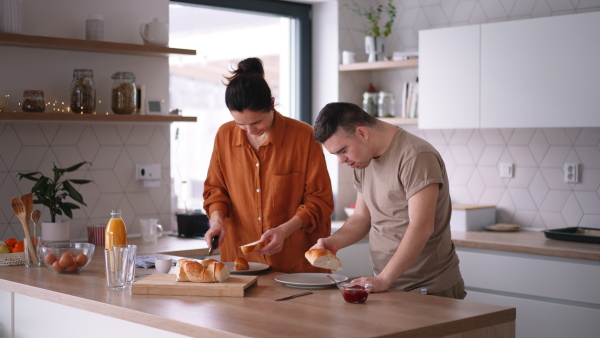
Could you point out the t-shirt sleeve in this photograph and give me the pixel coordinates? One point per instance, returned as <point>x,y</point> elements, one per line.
<point>420,171</point>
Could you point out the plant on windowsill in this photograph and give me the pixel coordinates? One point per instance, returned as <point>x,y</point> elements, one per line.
<point>52,193</point>
<point>375,34</point>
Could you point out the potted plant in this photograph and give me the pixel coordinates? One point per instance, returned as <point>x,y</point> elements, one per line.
<point>375,34</point>
<point>52,193</point>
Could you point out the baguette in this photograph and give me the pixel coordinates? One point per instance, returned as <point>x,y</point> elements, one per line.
<point>188,270</point>
<point>240,264</point>
<point>247,248</point>
<point>322,258</point>
<point>219,271</point>
<point>205,263</point>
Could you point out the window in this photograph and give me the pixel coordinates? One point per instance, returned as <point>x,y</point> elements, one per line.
<point>223,33</point>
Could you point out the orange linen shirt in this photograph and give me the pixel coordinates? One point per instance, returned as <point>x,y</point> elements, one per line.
<point>259,191</point>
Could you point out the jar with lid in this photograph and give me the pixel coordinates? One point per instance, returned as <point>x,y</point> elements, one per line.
<point>370,103</point>
<point>124,93</point>
<point>386,104</point>
<point>83,92</point>
<point>116,232</point>
<point>33,101</point>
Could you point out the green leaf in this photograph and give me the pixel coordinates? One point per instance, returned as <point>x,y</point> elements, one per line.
<point>80,181</point>
<point>74,194</point>
<point>76,166</point>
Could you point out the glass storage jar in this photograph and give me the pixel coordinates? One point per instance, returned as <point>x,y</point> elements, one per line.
<point>386,105</point>
<point>33,101</point>
<point>83,92</point>
<point>370,103</point>
<point>124,99</point>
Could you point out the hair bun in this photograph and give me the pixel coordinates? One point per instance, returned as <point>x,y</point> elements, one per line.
<point>251,66</point>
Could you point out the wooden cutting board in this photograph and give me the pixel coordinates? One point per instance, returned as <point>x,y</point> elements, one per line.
<point>165,284</point>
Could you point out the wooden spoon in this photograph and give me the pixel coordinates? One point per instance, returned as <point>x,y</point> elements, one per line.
<point>35,217</point>
<point>20,210</point>
<point>28,203</point>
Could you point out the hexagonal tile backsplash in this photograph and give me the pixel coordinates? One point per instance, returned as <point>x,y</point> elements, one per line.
<point>113,149</point>
<point>537,195</point>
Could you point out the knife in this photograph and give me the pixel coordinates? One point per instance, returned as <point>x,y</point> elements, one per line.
<point>295,296</point>
<point>214,244</point>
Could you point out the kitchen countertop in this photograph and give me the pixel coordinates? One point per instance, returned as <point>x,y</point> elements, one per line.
<point>527,242</point>
<point>391,313</point>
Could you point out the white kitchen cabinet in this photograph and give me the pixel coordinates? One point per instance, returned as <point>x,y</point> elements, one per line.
<point>449,78</point>
<point>356,260</point>
<point>33,317</point>
<point>554,297</point>
<point>534,73</point>
<point>541,73</point>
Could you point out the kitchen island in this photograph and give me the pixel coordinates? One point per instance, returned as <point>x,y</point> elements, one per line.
<point>38,295</point>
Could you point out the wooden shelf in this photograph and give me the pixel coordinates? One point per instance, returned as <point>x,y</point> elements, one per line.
<point>71,117</point>
<point>399,121</point>
<point>34,41</point>
<point>380,65</point>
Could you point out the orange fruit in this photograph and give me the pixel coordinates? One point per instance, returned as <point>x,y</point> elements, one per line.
<point>19,247</point>
<point>11,242</point>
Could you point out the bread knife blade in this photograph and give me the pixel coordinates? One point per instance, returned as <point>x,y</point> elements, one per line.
<point>214,244</point>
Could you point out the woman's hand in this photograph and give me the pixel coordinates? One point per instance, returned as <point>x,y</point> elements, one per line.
<point>275,237</point>
<point>216,228</point>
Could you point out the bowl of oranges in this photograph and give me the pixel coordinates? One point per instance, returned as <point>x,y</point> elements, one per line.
<point>12,252</point>
<point>67,257</point>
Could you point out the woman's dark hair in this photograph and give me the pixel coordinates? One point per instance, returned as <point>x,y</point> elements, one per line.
<point>346,115</point>
<point>247,87</point>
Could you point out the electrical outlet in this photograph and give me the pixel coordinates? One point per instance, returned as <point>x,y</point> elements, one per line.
<point>147,172</point>
<point>507,170</point>
<point>571,172</point>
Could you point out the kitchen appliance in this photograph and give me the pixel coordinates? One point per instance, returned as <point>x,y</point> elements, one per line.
<point>192,225</point>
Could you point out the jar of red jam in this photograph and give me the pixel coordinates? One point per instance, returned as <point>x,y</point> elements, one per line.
<point>355,293</point>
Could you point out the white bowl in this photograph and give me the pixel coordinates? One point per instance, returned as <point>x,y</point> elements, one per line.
<point>349,211</point>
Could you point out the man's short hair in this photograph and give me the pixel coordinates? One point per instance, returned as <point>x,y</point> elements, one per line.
<point>346,115</point>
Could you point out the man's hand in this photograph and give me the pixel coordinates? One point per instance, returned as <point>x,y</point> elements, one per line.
<point>379,285</point>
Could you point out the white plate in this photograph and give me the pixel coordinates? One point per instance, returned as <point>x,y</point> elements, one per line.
<point>254,268</point>
<point>309,280</point>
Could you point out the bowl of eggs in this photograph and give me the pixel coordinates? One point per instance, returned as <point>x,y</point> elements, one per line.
<point>67,257</point>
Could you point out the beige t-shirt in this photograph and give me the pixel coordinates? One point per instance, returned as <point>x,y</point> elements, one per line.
<point>408,165</point>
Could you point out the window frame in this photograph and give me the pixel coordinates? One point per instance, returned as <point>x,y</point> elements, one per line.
<point>303,47</point>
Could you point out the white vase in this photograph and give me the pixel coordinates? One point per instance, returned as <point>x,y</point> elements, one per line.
<point>55,232</point>
<point>375,47</point>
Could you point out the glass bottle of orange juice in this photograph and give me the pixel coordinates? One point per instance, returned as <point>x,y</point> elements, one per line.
<point>116,233</point>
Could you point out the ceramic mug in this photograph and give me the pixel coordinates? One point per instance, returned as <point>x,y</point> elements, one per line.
<point>348,57</point>
<point>155,33</point>
<point>151,230</point>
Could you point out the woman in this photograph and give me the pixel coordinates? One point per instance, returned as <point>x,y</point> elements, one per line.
<point>267,179</point>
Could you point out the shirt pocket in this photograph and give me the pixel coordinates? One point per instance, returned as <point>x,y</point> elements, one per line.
<point>288,193</point>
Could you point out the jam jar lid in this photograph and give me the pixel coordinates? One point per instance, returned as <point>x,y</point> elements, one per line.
<point>123,76</point>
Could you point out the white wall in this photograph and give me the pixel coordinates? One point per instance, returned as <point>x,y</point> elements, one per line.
<point>113,149</point>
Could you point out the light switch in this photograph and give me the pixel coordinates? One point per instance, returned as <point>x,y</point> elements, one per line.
<point>507,170</point>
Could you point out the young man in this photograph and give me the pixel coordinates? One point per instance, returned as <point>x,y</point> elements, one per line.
<point>403,202</point>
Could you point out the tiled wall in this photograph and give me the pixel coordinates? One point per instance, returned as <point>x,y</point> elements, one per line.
<point>113,150</point>
<point>536,196</point>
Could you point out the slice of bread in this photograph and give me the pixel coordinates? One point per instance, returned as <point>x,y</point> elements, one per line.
<point>240,263</point>
<point>322,258</point>
<point>247,248</point>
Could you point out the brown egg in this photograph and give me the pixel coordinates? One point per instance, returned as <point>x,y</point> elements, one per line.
<point>50,258</point>
<point>81,259</point>
<point>57,267</point>
<point>72,254</point>
<point>66,260</point>
<point>73,267</point>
